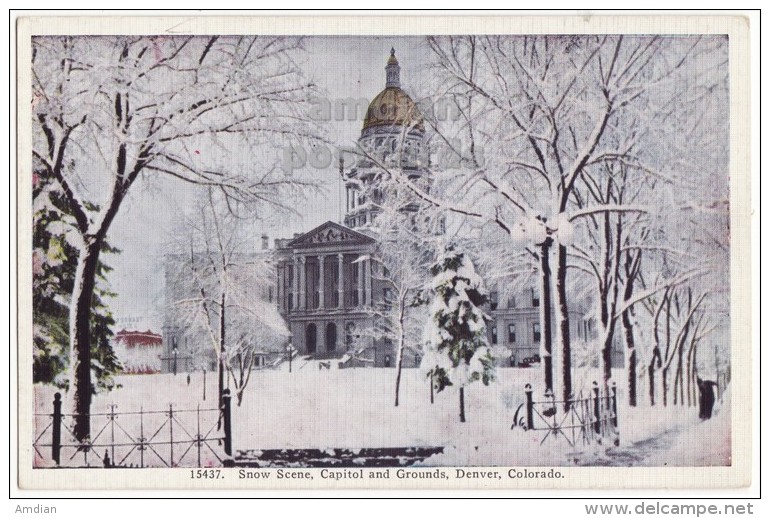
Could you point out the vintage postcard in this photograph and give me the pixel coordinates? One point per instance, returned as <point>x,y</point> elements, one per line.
<point>384,252</point>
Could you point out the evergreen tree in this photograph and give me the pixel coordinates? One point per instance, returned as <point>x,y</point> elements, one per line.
<point>456,332</point>
<point>54,260</point>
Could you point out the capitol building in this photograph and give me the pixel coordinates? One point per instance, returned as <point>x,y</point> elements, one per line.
<point>328,288</point>
<point>328,285</point>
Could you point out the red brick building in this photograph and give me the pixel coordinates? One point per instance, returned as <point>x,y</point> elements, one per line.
<point>139,351</point>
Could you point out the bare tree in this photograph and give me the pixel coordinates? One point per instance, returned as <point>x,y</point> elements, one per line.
<point>407,235</point>
<point>204,110</point>
<point>221,290</point>
<point>680,324</point>
<point>536,113</point>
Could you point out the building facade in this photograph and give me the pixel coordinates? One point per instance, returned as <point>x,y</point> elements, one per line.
<point>140,352</point>
<point>516,327</point>
<point>327,282</point>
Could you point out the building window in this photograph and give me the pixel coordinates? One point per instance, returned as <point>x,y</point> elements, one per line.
<point>494,334</point>
<point>511,302</point>
<point>493,300</point>
<point>511,333</point>
<point>536,332</point>
<point>289,287</point>
<point>535,298</point>
<point>331,336</point>
<point>310,338</point>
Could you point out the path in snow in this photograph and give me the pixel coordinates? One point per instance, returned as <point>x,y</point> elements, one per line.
<point>687,443</point>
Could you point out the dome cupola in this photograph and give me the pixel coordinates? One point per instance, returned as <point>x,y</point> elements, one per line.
<point>392,71</point>
<point>393,106</point>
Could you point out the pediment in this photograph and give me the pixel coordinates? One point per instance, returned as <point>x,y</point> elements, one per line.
<point>329,233</point>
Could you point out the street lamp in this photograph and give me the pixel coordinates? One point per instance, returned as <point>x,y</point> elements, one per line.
<point>175,351</point>
<point>289,352</point>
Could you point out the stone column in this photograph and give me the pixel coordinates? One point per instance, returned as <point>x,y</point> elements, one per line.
<point>302,283</point>
<point>321,276</point>
<point>295,283</point>
<point>340,281</point>
<point>360,270</point>
<point>368,281</point>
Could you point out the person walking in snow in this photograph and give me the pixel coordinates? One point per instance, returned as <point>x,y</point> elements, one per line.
<point>706,398</point>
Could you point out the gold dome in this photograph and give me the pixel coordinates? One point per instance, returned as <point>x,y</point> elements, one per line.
<point>392,107</point>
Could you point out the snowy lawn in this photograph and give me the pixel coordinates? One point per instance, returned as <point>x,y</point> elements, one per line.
<point>353,408</point>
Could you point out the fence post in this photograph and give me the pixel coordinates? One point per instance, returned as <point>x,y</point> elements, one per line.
<point>226,419</point>
<point>530,407</point>
<point>198,433</point>
<point>597,414</point>
<point>614,404</point>
<point>56,429</point>
<point>112,431</point>
<point>141,437</point>
<point>171,430</point>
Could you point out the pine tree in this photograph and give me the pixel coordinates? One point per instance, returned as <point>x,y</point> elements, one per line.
<point>54,261</point>
<point>456,332</point>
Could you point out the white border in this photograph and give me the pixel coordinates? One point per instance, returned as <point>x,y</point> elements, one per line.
<point>384,24</point>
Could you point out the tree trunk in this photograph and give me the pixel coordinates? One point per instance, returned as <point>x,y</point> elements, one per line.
<point>80,338</point>
<point>607,359</point>
<point>400,351</point>
<point>651,375</point>
<point>692,396</point>
<point>628,332</point>
<point>462,404</point>
<point>609,297</point>
<point>664,379</point>
<point>431,390</point>
<point>563,316</point>
<point>679,380</point>
<point>545,312</point>
<point>399,363</point>
<point>222,348</point>
<point>631,267</point>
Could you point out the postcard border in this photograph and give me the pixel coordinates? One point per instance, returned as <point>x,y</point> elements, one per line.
<point>736,26</point>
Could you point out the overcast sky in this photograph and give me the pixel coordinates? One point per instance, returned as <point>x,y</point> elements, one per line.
<point>344,68</point>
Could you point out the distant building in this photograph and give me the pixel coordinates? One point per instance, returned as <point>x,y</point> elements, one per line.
<point>516,326</point>
<point>139,351</point>
<point>188,348</point>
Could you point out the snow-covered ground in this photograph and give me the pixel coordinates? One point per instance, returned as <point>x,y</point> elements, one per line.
<point>353,408</point>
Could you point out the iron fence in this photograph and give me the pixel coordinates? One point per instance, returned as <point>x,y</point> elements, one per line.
<point>583,420</point>
<point>171,437</point>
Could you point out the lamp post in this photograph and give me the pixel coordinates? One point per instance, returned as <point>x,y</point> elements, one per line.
<point>289,352</point>
<point>175,351</point>
<point>204,383</point>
